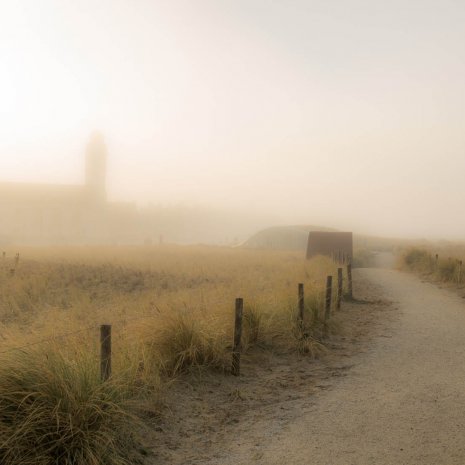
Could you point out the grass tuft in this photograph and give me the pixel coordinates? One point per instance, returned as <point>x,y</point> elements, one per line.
<point>182,341</point>
<point>57,411</point>
<point>254,321</point>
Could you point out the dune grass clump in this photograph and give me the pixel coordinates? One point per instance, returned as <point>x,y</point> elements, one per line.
<point>418,260</point>
<point>181,340</point>
<point>423,262</point>
<point>308,336</point>
<point>254,321</point>
<point>280,329</point>
<point>446,270</point>
<point>55,410</point>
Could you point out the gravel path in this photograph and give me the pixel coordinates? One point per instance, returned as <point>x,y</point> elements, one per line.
<point>402,403</point>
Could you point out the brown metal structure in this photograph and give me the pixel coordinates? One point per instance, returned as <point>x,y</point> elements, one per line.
<point>338,245</point>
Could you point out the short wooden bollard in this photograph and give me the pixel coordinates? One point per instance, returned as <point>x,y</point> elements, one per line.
<point>339,289</point>
<point>301,304</point>
<point>350,292</point>
<point>105,352</point>
<point>236,355</point>
<point>329,293</point>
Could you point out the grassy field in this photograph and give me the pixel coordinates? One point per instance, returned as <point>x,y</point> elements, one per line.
<point>171,310</point>
<point>439,263</point>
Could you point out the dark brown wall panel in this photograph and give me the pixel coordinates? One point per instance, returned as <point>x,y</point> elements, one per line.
<point>330,244</point>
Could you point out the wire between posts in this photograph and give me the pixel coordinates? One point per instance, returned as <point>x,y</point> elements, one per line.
<point>43,341</point>
<point>65,335</point>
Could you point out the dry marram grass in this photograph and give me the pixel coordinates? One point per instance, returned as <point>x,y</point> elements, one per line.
<point>172,310</point>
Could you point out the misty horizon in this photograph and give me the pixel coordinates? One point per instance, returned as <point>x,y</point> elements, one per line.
<point>346,115</point>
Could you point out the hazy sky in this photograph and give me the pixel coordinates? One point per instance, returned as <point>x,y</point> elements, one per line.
<point>343,113</point>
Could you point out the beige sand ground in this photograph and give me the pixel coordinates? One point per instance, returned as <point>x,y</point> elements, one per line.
<point>402,403</point>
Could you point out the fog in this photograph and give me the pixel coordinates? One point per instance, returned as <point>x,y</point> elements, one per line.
<point>346,114</point>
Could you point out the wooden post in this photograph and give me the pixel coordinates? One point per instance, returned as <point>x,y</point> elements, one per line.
<point>301,304</point>
<point>236,356</point>
<point>329,292</point>
<point>350,292</point>
<point>105,352</point>
<point>339,289</point>
<point>459,273</point>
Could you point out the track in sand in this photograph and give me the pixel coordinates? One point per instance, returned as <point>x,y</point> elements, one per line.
<point>403,402</point>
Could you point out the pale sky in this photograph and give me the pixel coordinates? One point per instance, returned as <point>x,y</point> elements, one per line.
<point>344,113</point>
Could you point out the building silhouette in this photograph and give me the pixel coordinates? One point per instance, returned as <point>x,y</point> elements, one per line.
<point>55,213</point>
<point>41,214</point>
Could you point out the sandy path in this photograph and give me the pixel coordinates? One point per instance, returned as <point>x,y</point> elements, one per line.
<point>402,403</point>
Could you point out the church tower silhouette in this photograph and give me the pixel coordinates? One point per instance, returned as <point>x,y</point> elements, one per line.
<point>96,167</point>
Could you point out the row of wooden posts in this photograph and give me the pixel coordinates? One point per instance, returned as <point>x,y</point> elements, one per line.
<point>105,330</point>
<point>236,354</point>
